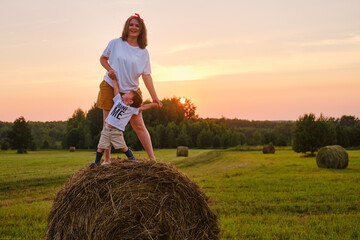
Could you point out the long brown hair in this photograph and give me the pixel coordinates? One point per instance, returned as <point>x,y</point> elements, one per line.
<point>142,38</point>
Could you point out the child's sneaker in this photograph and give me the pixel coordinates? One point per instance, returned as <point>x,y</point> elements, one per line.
<point>130,155</point>
<point>97,159</point>
<point>92,165</point>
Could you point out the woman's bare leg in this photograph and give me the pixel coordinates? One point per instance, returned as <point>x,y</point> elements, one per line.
<point>139,127</point>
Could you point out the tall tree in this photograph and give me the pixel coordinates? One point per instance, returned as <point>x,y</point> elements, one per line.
<point>283,133</point>
<point>183,139</point>
<point>20,135</point>
<point>304,139</point>
<point>173,110</point>
<point>256,138</point>
<point>310,134</point>
<point>356,131</point>
<point>225,139</point>
<point>205,139</point>
<point>346,131</point>
<point>171,134</point>
<point>77,131</point>
<point>95,120</point>
<point>269,137</point>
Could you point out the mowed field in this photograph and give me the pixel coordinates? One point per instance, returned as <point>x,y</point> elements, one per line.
<point>255,195</point>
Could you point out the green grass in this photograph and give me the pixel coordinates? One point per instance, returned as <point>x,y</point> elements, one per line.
<point>256,196</point>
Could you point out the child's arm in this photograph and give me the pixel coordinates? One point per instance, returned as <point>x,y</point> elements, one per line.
<point>115,86</point>
<point>148,106</point>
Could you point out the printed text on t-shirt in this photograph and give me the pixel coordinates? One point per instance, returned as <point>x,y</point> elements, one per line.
<point>118,111</point>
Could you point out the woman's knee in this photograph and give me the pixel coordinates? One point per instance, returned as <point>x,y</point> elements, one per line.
<point>138,124</point>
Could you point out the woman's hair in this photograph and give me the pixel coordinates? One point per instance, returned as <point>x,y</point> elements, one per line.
<point>142,38</point>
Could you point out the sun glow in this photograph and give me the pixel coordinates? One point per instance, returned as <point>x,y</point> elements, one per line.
<point>182,100</point>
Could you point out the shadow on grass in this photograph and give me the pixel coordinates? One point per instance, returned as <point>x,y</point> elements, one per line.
<point>202,159</point>
<point>308,155</point>
<point>32,183</point>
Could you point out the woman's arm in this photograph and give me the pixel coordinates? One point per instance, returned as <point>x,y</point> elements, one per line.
<point>105,63</point>
<point>150,87</point>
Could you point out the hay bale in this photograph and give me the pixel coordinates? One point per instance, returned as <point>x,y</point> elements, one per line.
<point>333,156</point>
<point>268,149</point>
<point>131,200</point>
<point>182,151</point>
<point>72,149</point>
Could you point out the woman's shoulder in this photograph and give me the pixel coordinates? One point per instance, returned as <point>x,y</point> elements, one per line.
<point>124,44</point>
<point>116,40</point>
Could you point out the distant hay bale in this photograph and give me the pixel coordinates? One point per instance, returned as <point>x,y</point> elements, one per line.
<point>131,200</point>
<point>268,149</point>
<point>333,156</point>
<point>182,151</point>
<point>72,149</point>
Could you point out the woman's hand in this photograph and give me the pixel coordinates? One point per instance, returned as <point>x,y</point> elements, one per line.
<point>112,74</point>
<point>158,103</point>
<point>150,87</point>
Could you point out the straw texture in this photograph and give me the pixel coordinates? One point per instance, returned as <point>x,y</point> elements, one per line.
<point>131,200</point>
<point>182,151</point>
<point>268,149</point>
<point>333,156</point>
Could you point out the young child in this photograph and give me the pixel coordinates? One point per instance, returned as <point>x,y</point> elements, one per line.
<point>120,114</point>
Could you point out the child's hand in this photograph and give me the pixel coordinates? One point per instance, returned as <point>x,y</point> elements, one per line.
<point>112,74</point>
<point>150,105</point>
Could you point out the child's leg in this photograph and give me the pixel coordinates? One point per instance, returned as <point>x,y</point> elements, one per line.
<point>107,155</point>
<point>128,153</point>
<point>98,157</point>
<point>104,144</point>
<point>107,151</point>
<point>99,154</point>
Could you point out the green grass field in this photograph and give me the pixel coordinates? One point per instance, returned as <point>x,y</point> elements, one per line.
<point>256,196</point>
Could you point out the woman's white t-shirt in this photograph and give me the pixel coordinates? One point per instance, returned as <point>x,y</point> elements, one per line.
<point>128,62</point>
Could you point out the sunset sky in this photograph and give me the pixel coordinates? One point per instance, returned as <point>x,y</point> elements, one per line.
<point>256,60</point>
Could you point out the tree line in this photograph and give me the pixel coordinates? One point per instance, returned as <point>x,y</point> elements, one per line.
<point>176,124</point>
<point>311,133</point>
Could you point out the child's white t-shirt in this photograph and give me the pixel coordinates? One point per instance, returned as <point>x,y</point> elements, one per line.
<point>120,113</point>
<point>128,62</point>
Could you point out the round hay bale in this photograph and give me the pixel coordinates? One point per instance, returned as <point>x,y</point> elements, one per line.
<point>72,149</point>
<point>182,151</point>
<point>268,149</point>
<point>334,156</point>
<point>131,200</point>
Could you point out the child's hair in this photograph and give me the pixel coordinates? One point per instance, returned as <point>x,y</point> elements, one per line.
<point>137,100</point>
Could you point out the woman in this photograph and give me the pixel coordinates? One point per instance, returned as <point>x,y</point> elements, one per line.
<point>126,59</point>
